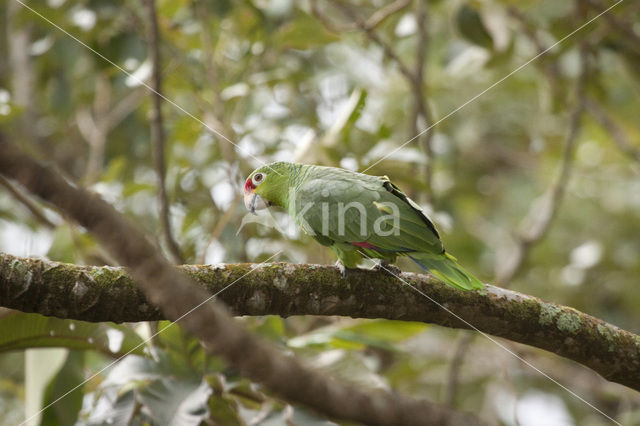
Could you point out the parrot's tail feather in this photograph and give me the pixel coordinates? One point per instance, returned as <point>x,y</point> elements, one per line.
<point>447,269</point>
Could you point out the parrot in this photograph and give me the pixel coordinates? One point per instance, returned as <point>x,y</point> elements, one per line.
<point>357,216</point>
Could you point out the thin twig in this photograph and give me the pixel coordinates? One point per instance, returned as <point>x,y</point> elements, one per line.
<point>20,65</point>
<point>615,130</point>
<point>123,108</point>
<point>377,18</point>
<point>537,223</point>
<point>619,24</point>
<point>157,130</point>
<point>94,126</point>
<point>33,208</point>
<point>549,67</point>
<point>373,36</point>
<point>221,224</point>
<point>380,15</point>
<point>420,92</point>
<point>462,346</point>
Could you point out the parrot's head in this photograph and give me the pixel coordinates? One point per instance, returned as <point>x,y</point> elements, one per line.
<point>267,186</point>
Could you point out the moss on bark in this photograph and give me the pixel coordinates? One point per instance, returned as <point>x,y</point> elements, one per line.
<point>93,293</point>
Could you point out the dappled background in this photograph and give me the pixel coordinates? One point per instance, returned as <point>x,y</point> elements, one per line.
<point>534,184</point>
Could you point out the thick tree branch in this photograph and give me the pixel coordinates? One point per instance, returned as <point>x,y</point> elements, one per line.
<point>91,293</point>
<point>179,297</point>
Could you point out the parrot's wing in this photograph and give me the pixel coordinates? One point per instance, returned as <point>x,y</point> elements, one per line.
<point>365,211</point>
<point>405,223</point>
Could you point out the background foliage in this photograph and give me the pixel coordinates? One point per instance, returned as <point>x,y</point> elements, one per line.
<point>287,80</point>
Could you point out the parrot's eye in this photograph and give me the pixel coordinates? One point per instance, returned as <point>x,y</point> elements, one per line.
<point>257,178</point>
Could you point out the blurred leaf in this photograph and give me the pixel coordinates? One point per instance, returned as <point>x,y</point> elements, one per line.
<point>115,169</point>
<point>184,351</point>
<point>133,188</point>
<point>385,330</point>
<point>382,334</point>
<point>304,32</point>
<point>65,393</point>
<point>176,402</point>
<point>20,331</point>
<point>62,248</point>
<point>472,28</point>
<point>270,327</point>
<point>119,412</point>
<point>41,366</point>
<point>224,410</point>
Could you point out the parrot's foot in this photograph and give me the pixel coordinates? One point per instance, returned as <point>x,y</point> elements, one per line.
<point>388,269</point>
<point>344,271</point>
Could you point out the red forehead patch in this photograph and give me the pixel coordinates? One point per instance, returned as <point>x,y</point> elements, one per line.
<point>249,186</point>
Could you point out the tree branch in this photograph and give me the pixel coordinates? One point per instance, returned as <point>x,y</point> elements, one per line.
<point>619,24</point>
<point>549,66</point>
<point>615,130</point>
<point>91,293</point>
<point>33,208</point>
<point>180,299</point>
<point>157,130</point>
<point>421,107</point>
<point>377,18</point>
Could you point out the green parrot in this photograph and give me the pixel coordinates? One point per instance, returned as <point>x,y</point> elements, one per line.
<point>357,216</point>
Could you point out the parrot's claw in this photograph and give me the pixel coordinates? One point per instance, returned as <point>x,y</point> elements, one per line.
<point>344,271</point>
<point>387,268</point>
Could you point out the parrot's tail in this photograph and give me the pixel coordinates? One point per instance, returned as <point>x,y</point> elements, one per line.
<point>447,269</point>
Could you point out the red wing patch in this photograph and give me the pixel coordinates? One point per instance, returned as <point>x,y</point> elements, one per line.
<point>365,244</point>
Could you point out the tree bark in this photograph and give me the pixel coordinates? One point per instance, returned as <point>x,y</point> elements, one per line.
<point>91,293</point>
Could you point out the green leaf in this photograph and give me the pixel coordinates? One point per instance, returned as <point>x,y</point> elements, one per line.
<point>62,248</point>
<point>303,32</point>
<point>472,28</point>
<point>66,403</point>
<point>377,333</point>
<point>389,331</point>
<point>132,188</point>
<point>270,327</point>
<point>224,410</point>
<point>40,366</point>
<point>20,331</point>
<point>115,169</point>
<point>184,351</point>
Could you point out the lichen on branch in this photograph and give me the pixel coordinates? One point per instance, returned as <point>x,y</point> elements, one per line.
<point>92,293</point>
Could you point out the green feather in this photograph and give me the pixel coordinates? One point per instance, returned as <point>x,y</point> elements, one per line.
<point>339,208</point>
<point>447,269</point>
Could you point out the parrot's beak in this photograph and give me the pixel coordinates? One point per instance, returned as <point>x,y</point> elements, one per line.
<point>253,202</point>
